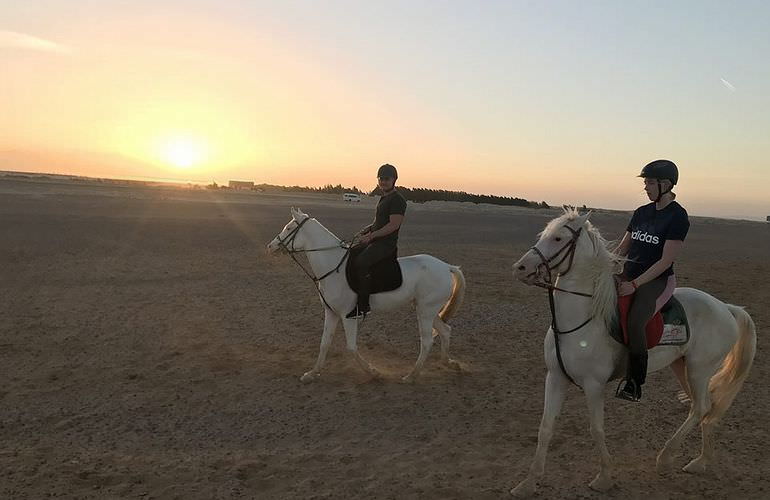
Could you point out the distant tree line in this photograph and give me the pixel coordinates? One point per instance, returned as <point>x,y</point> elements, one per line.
<point>417,195</point>
<point>420,195</point>
<point>327,189</point>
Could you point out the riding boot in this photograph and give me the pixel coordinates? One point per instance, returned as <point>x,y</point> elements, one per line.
<point>637,374</point>
<point>362,305</point>
<point>638,367</point>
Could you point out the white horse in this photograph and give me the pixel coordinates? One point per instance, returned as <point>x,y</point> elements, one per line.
<point>718,355</point>
<point>436,288</point>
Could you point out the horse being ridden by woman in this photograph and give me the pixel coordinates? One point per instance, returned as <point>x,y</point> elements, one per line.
<point>578,347</point>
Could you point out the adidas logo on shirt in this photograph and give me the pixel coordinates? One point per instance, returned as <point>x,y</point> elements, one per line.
<point>644,236</point>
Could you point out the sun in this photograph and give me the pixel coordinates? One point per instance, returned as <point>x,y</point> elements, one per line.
<point>183,152</point>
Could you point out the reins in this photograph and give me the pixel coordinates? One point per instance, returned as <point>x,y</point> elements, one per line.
<point>569,252</point>
<point>284,243</point>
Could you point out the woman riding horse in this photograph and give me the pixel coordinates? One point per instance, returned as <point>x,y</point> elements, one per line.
<point>654,237</point>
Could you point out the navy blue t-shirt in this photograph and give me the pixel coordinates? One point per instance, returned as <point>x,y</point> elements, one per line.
<point>650,228</point>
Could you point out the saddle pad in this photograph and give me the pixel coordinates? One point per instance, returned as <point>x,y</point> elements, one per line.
<point>676,329</point>
<point>386,274</point>
<point>669,326</point>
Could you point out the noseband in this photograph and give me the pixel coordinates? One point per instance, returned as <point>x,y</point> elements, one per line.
<point>566,252</point>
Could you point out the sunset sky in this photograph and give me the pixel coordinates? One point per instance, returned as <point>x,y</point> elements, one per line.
<point>557,101</point>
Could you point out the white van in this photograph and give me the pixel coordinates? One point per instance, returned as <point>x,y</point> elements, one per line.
<point>351,197</point>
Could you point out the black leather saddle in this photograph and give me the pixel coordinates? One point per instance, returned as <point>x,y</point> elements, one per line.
<point>386,274</point>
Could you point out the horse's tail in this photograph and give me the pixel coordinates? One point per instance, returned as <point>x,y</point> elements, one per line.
<point>726,383</point>
<point>458,293</point>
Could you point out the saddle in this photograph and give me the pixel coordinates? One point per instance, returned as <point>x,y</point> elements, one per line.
<point>385,274</point>
<point>668,326</point>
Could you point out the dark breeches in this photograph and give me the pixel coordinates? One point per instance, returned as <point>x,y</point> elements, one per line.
<point>372,254</point>
<point>641,311</point>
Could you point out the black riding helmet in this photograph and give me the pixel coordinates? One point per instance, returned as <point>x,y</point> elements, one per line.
<point>387,170</point>
<point>661,170</point>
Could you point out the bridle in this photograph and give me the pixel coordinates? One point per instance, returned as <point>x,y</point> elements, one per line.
<point>289,240</point>
<point>567,251</point>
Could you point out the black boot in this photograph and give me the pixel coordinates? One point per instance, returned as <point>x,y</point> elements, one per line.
<point>637,374</point>
<point>362,306</point>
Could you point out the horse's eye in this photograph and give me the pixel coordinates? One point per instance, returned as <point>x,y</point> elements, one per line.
<point>558,238</point>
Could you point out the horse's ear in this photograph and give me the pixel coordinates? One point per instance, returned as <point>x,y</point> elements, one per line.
<point>584,218</point>
<point>297,214</point>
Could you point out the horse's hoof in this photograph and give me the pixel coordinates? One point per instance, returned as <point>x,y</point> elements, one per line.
<point>697,466</point>
<point>663,463</point>
<point>309,377</point>
<point>601,483</point>
<point>454,364</point>
<point>525,489</point>
<point>408,379</point>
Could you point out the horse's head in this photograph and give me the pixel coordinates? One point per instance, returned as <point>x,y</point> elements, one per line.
<point>554,252</point>
<point>291,237</point>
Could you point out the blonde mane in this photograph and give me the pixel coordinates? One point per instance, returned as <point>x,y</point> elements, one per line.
<point>600,264</point>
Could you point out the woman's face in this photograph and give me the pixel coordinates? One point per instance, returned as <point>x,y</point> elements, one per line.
<point>651,187</point>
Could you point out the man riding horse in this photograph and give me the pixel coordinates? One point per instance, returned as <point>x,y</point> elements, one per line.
<point>380,237</point>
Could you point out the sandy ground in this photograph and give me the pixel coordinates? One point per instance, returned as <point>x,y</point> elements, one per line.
<point>149,348</point>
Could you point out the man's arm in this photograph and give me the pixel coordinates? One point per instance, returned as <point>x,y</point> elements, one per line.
<point>393,224</point>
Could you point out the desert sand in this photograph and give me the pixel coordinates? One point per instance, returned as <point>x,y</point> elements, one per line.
<point>150,348</point>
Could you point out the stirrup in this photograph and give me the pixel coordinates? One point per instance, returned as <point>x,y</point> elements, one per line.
<point>630,392</point>
<point>358,312</point>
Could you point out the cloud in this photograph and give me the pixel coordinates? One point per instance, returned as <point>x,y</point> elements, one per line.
<point>727,84</point>
<point>13,40</point>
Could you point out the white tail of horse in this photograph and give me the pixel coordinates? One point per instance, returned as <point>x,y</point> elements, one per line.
<point>457,297</point>
<point>727,382</point>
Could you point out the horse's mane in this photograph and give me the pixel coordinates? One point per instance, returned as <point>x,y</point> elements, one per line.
<point>599,263</point>
<point>325,230</point>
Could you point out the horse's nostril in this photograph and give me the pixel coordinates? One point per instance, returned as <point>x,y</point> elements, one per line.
<point>521,268</point>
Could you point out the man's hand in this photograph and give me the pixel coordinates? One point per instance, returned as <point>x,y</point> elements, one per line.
<point>366,238</point>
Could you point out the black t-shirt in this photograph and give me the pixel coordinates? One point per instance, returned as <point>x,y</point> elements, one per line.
<point>390,204</point>
<point>650,228</point>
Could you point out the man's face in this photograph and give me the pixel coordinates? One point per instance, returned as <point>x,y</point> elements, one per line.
<point>385,183</point>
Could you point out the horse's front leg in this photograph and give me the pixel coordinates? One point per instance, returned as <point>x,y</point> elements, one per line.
<point>594,391</point>
<point>555,391</point>
<point>331,320</point>
<point>351,332</point>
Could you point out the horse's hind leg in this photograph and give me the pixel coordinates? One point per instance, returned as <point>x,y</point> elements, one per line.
<point>425,322</point>
<point>699,463</point>
<point>445,333</point>
<point>703,401</point>
<point>699,380</point>
<point>351,332</point>
<point>331,320</point>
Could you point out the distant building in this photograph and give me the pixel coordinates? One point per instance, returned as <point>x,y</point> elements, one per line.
<point>241,185</point>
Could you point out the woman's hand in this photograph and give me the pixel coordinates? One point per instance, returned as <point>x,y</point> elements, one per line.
<point>626,288</point>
